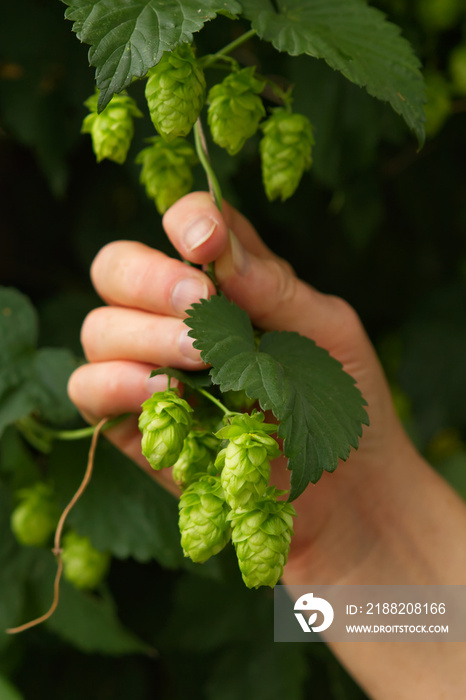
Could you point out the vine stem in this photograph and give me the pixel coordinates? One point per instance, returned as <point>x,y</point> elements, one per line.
<point>217,402</point>
<point>208,60</point>
<point>214,186</point>
<point>203,155</point>
<point>58,533</point>
<point>41,435</point>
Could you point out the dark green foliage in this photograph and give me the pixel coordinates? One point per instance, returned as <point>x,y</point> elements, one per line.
<point>289,375</point>
<point>373,221</point>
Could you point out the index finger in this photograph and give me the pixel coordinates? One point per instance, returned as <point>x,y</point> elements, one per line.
<point>126,273</point>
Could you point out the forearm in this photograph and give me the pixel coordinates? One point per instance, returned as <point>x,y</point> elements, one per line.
<point>414,534</point>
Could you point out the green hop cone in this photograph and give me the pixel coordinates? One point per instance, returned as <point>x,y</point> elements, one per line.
<point>203,519</point>
<point>235,109</point>
<point>166,170</point>
<point>83,565</point>
<point>261,537</point>
<point>175,92</point>
<point>36,516</point>
<point>285,152</point>
<point>245,461</point>
<point>199,451</point>
<point>112,129</point>
<point>457,67</point>
<point>164,422</point>
<point>438,106</point>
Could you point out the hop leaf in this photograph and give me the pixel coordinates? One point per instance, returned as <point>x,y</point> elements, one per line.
<point>112,129</point>
<point>261,537</point>
<point>36,516</point>
<point>166,170</point>
<point>245,461</point>
<point>285,152</point>
<point>83,565</point>
<point>164,422</point>
<point>199,450</point>
<point>203,519</point>
<point>235,109</point>
<point>175,92</point>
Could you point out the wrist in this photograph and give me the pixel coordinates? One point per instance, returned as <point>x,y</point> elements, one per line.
<point>396,525</point>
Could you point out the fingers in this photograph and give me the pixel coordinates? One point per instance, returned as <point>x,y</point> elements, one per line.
<point>251,275</point>
<point>111,389</point>
<point>131,274</point>
<point>116,333</point>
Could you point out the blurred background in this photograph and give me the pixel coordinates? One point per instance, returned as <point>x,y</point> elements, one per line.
<point>374,221</point>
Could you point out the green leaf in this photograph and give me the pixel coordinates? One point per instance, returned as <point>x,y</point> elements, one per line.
<point>123,511</point>
<point>128,38</point>
<point>287,670</point>
<point>195,380</point>
<point>86,620</point>
<point>8,691</point>
<point>51,370</point>
<point>352,38</point>
<point>18,327</point>
<point>30,379</point>
<point>15,565</point>
<point>319,408</point>
<point>18,337</point>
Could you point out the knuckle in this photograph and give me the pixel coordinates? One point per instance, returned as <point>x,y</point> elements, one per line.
<point>345,318</point>
<point>284,281</point>
<point>138,281</point>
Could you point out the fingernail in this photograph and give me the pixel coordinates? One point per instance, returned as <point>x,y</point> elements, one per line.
<point>187,292</point>
<point>199,232</point>
<point>234,261</point>
<point>186,347</point>
<point>158,383</point>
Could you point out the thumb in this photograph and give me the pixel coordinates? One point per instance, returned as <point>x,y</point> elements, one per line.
<point>266,287</point>
<point>260,282</point>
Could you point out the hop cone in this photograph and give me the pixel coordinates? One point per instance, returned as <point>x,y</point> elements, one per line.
<point>199,450</point>
<point>286,152</point>
<point>235,109</point>
<point>36,517</point>
<point>83,565</point>
<point>112,129</point>
<point>245,461</point>
<point>203,519</point>
<point>175,92</point>
<point>261,537</point>
<point>166,170</point>
<point>164,422</point>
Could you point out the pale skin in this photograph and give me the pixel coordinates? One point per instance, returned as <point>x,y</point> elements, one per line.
<point>384,516</point>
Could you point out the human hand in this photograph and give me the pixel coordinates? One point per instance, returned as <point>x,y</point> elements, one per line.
<point>141,327</point>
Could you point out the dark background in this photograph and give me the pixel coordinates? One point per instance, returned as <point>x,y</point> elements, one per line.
<point>374,221</point>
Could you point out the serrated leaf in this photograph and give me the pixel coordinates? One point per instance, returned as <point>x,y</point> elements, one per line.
<point>352,38</point>
<point>128,38</point>
<point>123,510</point>
<point>30,379</point>
<point>87,621</point>
<point>51,369</point>
<point>318,405</point>
<point>8,691</point>
<point>195,380</point>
